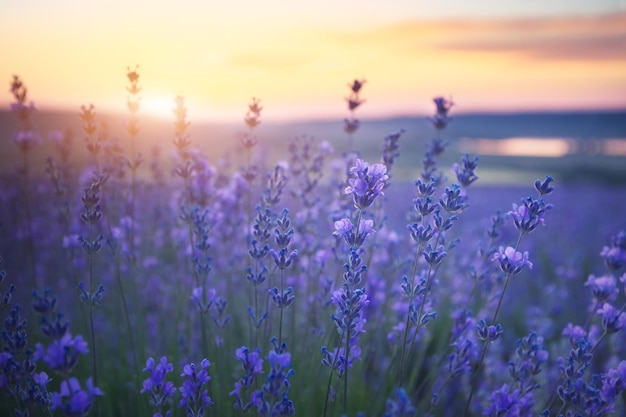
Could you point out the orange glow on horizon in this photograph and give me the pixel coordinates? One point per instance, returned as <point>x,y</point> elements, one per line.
<point>301,71</point>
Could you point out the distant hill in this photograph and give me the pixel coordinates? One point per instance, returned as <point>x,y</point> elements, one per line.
<point>218,138</point>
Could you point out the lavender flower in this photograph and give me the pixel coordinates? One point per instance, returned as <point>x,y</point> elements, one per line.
<point>400,406</point>
<point>489,333</point>
<point>465,174</point>
<point>272,399</point>
<point>390,148</point>
<point>367,183</point>
<point>195,398</point>
<point>613,320</point>
<point>505,403</point>
<point>155,385</point>
<point>72,400</point>
<point>251,362</point>
<point>252,366</point>
<point>615,255</point>
<point>529,214</point>
<point>511,261</point>
<point>603,288</point>
<point>94,299</point>
<point>440,120</point>
<point>346,230</point>
<point>62,355</point>
<point>613,383</point>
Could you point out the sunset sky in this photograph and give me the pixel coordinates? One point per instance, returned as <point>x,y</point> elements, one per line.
<point>298,56</point>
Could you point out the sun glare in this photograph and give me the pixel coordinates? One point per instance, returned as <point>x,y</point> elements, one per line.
<point>159,107</point>
<point>537,147</point>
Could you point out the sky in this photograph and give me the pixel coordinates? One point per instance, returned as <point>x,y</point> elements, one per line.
<point>299,56</point>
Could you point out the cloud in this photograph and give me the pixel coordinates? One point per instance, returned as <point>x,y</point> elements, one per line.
<point>599,38</point>
<point>564,38</point>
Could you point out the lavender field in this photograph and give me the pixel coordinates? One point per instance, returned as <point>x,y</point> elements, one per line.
<point>304,280</point>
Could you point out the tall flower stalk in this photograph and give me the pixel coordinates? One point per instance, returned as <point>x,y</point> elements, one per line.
<point>249,141</point>
<point>351,124</point>
<point>526,218</point>
<point>135,160</point>
<point>25,140</point>
<point>283,257</point>
<point>91,216</point>
<point>365,184</point>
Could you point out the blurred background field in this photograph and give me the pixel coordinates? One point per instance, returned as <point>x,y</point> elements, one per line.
<point>514,148</point>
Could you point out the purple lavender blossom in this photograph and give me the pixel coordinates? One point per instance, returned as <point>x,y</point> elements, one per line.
<point>613,383</point>
<point>390,148</point>
<point>603,288</point>
<point>465,174</point>
<point>400,406</point>
<point>367,183</point>
<point>440,120</point>
<point>155,385</point>
<point>88,298</point>
<point>272,399</point>
<point>614,257</point>
<point>489,333</point>
<point>613,320</point>
<point>195,399</point>
<point>544,187</point>
<point>442,105</point>
<point>351,125</point>
<point>283,300</point>
<point>72,400</point>
<point>62,355</point>
<point>346,230</point>
<point>529,214</point>
<point>196,297</point>
<point>504,403</point>
<point>574,333</point>
<point>420,234</point>
<point>38,392</point>
<point>511,261</point>
<point>251,362</point>
<point>432,256</point>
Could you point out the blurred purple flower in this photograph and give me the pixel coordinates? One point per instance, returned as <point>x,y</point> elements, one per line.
<point>613,383</point>
<point>443,106</point>
<point>61,355</point>
<point>613,320</point>
<point>614,257</point>
<point>72,400</point>
<point>603,288</point>
<point>574,333</point>
<point>357,85</point>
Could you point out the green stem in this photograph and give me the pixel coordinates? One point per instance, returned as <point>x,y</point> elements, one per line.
<point>30,244</point>
<point>408,319</point>
<point>345,380</point>
<point>280,322</point>
<point>330,376</point>
<point>91,325</point>
<point>486,344</point>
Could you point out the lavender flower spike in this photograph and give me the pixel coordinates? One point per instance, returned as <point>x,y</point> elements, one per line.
<point>156,385</point>
<point>195,399</point>
<point>367,183</point>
